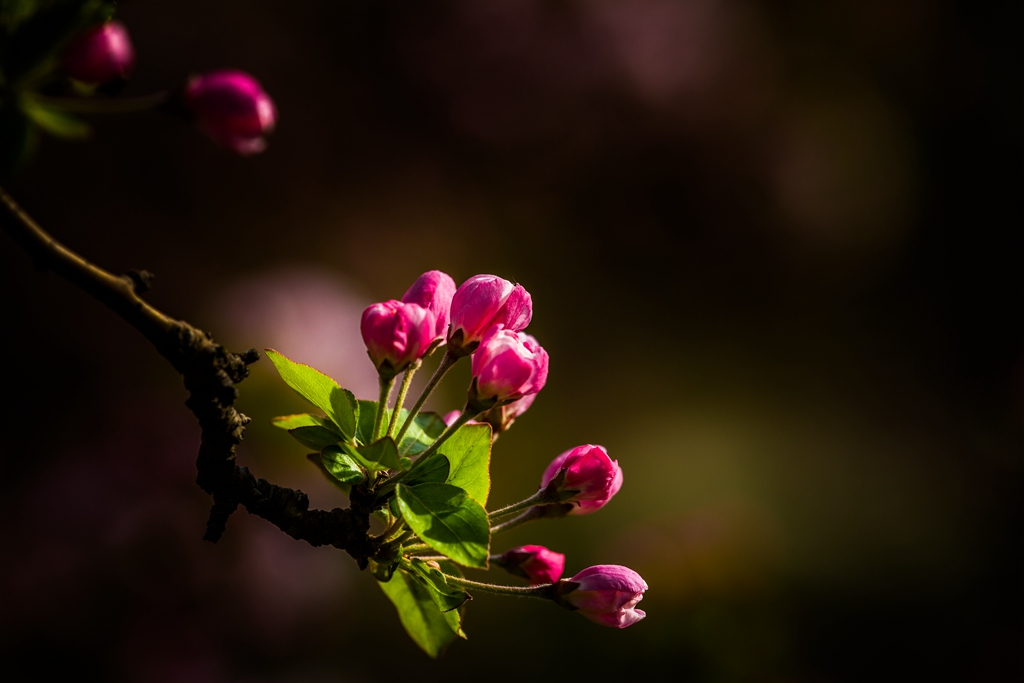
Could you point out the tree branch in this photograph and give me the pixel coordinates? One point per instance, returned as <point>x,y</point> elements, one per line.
<point>210,373</point>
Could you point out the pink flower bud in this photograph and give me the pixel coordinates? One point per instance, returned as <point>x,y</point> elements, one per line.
<point>482,302</point>
<point>606,594</point>
<point>434,291</point>
<point>507,366</point>
<point>535,563</point>
<point>589,472</point>
<point>232,109</point>
<point>102,54</point>
<point>396,334</point>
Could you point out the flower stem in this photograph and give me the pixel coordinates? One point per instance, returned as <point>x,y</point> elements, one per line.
<point>543,592</point>
<point>447,361</point>
<point>537,498</point>
<point>386,385</point>
<point>100,105</point>
<point>402,391</point>
<point>533,513</point>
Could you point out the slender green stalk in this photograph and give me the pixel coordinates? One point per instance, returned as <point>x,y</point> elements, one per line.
<point>543,592</point>
<point>447,361</point>
<point>402,391</point>
<point>101,105</point>
<point>528,516</point>
<point>416,548</point>
<point>535,499</point>
<point>386,385</point>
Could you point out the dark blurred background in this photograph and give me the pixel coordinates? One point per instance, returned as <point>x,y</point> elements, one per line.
<point>775,255</point>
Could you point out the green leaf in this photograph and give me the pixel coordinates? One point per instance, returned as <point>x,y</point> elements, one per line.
<point>367,414</point>
<point>431,629</point>
<point>290,422</point>
<point>379,455</point>
<point>446,597</point>
<point>317,438</point>
<point>448,520</point>
<point>56,122</point>
<point>342,466</point>
<point>320,390</point>
<point>469,451</point>
<point>317,459</point>
<point>422,432</point>
<point>435,470</point>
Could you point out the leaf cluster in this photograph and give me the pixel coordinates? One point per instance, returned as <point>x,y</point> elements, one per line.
<point>435,503</point>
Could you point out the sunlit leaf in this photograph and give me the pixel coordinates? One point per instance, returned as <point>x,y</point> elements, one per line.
<point>423,620</point>
<point>448,520</point>
<point>469,451</point>
<point>320,390</point>
<point>342,466</point>
<point>446,596</point>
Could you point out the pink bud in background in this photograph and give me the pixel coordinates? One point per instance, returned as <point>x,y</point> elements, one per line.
<point>607,594</point>
<point>534,563</point>
<point>589,472</point>
<point>232,109</point>
<point>507,366</point>
<point>481,302</point>
<point>434,291</point>
<point>102,54</point>
<point>396,334</point>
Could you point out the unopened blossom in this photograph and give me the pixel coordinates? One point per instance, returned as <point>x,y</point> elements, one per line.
<point>606,594</point>
<point>102,54</point>
<point>481,302</point>
<point>584,475</point>
<point>232,108</point>
<point>434,291</point>
<point>396,335</point>
<point>507,366</point>
<point>534,563</point>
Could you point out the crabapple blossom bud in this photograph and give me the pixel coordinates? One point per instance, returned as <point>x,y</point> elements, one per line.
<point>584,475</point>
<point>481,302</point>
<point>434,291</point>
<point>232,108</point>
<point>534,563</point>
<point>396,335</point>
<point>501,417</point>
<point>102,54</point>
<point>507,366</point>
<point>606,594</point>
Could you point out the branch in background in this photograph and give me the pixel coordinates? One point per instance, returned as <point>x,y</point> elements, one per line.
<point>210,373</point>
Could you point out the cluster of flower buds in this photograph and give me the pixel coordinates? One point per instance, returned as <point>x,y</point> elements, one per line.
<point>425,493</point>
<point>483,318</point>
<point>230,106</point>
